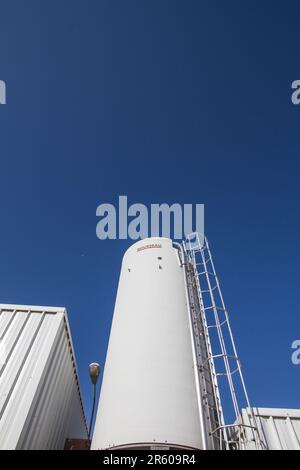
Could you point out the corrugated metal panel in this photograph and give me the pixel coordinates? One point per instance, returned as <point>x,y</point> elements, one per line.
<point>40,399</point>
<point>279,428</point>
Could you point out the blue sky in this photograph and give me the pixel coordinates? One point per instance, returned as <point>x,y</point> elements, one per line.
<point>163,101</point>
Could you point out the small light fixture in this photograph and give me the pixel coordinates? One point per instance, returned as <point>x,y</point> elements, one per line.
<point>94,372</point>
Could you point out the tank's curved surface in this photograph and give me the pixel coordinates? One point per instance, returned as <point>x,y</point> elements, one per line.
<point>148,394</point>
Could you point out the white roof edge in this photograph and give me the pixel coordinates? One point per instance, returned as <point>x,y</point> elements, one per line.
<point>76,371</point>
<point>279,412</point>
<point>41,308</point>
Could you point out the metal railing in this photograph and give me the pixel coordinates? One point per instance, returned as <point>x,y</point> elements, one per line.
<point>220,361</point>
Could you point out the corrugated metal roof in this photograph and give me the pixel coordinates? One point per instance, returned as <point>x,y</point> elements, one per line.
<point>40,398</point>
<point>279,428</point>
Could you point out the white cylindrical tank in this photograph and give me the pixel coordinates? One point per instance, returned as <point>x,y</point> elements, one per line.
<point>149,392</point>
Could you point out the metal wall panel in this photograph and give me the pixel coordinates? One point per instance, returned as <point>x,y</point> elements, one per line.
<point>279,428</point>
<point>40,398</point>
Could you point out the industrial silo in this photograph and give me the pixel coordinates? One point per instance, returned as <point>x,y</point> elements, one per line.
<point>150,394</point>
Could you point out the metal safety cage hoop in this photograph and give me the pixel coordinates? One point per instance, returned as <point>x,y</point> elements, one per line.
<point>219,365</point>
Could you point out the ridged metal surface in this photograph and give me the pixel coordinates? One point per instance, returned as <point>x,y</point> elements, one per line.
<point>279,428</point>
<point>40,399</point>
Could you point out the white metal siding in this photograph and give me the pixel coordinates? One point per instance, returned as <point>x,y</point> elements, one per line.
<point>40,400</point>
<point>279,428</point>
<point>148,392</point>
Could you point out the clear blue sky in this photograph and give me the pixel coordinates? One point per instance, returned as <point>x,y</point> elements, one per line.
<point>164,101</point>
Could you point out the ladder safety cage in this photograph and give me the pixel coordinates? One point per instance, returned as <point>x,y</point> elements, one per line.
<point>219,365</point>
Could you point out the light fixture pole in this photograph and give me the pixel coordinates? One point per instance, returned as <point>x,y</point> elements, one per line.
<point>94,372</point>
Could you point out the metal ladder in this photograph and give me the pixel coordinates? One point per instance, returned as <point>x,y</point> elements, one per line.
<point>216,351</point>
<point>213,413</point>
